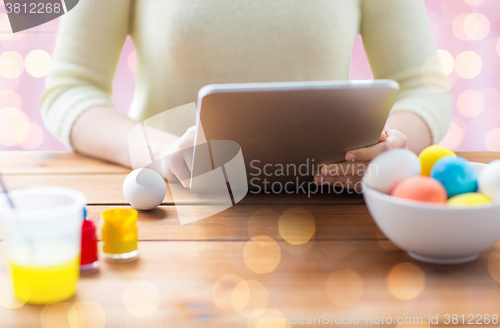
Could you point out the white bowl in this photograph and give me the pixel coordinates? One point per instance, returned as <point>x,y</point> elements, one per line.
<point>435,233</point>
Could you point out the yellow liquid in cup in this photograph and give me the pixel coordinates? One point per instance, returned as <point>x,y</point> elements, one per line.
<point>45,284</point>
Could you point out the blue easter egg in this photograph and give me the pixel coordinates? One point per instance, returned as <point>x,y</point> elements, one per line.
<point>456,175</point>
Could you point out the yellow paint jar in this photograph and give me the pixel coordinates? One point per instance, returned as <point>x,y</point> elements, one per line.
<point>119,235</point>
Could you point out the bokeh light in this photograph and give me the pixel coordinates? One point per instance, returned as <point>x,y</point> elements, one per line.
<point>454,137</point>
<point>250,298</point>
<point>492,140</point>
<point>344,287</point>
<point>468,64</point>
<point>494,264</point>
<point>458,27</point>
<point>11,64</point>
<point>262,254</point>
<point>7,298</point>
<point>498,47</point>
<point>296,225</point>
<point>259,224</point>
<point>87,315</point>
<point>34,138</point>
<point>37,63</point>
<point>269,318</point>
<point>470,103</point>
<point>132,61</point>
<point>405,281</point>
<point>14,126</point>
<point>222,292</point>
<point>141,298</point>
<point>476,26</point>
<point>56,315</point>
<point>298,248</point>
<point>447,61</point>
<point>9,98</point>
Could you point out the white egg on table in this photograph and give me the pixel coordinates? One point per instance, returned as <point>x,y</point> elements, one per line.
<point>489,181</point>
<point>144,189</point>
<point>391,167</point>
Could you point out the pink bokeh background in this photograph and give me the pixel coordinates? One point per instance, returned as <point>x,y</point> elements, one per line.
<point>466,31</point>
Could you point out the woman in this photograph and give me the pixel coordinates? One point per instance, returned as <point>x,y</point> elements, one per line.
<point>182,45</point>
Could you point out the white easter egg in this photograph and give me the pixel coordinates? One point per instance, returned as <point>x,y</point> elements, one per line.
<point>391,167</point>
<point>144,189</point>
<point>489,181</point>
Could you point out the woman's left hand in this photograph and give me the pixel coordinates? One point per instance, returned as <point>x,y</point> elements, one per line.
<point>349,174</point>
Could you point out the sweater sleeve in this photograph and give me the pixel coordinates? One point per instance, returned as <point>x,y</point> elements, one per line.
<point>90,40</point>
<point>399,44</point>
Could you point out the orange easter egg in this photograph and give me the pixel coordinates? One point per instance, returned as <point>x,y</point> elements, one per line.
<point>421,188</point>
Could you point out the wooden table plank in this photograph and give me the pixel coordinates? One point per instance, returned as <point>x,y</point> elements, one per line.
<point>102,182</point>
<point>479,156</point>
<point>241,222</point>
<point>39,162</point>
<point>178,279</point>
<point>106,189</point>
<point>34,162</point>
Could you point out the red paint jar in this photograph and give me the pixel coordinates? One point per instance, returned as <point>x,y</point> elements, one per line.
<point>89,262</point>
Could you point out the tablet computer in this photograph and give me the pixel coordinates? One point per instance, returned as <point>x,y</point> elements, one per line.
<point>285,131</point>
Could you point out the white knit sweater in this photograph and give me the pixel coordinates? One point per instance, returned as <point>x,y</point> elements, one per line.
<point>182,45</point>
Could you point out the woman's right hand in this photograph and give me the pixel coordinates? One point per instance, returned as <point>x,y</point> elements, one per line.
<point>178,164</point>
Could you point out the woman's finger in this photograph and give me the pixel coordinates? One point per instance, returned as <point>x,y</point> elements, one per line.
<point>395,140</point>
<point>383,137</point>
<point>188,159</point>
<point>170,176</point>
<point>181,169</point>
<point>368,153</point>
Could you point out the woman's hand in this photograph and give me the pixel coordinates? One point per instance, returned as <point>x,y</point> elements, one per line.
<point>178,164</point>
<point>349,174</point>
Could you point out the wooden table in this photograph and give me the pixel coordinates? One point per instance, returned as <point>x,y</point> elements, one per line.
<point>235,269</point>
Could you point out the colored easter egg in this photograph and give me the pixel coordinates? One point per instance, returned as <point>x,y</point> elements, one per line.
<point>489,181</point>
<point>469,200</point>
<point>421,188</point>
<point>430,155</point>
<point>144,189</point>
<point>455,174</point>
<point>390,168</point>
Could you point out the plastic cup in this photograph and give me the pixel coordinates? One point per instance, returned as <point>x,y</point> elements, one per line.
<point>42,242</point>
